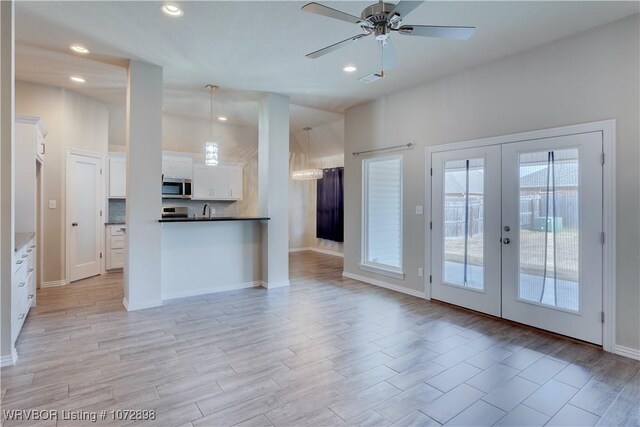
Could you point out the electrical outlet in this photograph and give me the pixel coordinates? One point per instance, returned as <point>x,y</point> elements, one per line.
<point>420,271</point>
<point>52,204</point>
<point>419,210</point>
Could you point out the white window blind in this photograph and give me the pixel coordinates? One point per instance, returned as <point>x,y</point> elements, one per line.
<point>382,211</point>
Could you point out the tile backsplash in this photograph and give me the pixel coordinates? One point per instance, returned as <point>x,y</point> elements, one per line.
<point>195,207</point>
<point>117,210</point>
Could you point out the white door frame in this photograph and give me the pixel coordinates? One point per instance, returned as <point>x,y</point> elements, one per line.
<point>101,157</point>
<point>608,129</point>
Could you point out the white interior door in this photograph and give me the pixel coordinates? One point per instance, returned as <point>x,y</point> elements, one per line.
<point>84,196</point>
<point>465,244</point>
<point>552,225</point>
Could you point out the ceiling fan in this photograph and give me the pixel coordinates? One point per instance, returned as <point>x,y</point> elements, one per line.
<point>380,20</point>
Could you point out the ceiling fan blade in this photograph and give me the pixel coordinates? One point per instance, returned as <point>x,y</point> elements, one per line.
<point>455,33</point>
<point>335,46</point>
<point>319,9</point>
<point>389,59</point>
<point>404,7</point>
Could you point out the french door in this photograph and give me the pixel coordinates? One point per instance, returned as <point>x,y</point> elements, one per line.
<point>465,214</point>
<point>516,232</point>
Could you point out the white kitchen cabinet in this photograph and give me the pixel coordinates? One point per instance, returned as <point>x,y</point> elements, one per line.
<point>222,182</point>
<point>201,183</point>
<point>29,137</point>
<point>114,246</point>
<point>177,166</point>
<point>117,176</point>
<point>235,183</point>
<point>23,292</point>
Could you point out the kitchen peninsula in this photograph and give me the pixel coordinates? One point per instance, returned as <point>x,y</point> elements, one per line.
<point>210,254</point>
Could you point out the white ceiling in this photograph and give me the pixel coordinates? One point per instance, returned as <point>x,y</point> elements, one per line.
<point>248,47</point>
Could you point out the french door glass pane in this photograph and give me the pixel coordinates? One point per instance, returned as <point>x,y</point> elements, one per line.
<point>463,223</point>
<point>549,228</point>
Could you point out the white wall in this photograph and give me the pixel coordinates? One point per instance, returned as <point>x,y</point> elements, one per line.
<point>588,77</point>
<point>72,120</point>
<point>327,151</point>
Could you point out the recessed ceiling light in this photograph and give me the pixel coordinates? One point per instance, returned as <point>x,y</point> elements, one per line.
<point>77,79</point>
<point>222,118</point>
<point>171,9</point>
<point>349,69</point>
<point>78,48</point>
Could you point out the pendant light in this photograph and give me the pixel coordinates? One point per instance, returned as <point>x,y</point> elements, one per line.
<point>307,174</point>
<point>211,146</point>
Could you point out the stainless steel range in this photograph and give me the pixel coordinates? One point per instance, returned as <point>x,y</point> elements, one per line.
<point>175,212</point>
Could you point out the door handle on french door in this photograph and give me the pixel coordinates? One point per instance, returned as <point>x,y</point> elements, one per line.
<point>506,240</point>
<point>74,224</point>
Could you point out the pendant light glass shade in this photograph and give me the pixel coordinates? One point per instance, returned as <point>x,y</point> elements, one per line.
<point>211,153</point>
<point>307,174</point>
<point>211,147</point>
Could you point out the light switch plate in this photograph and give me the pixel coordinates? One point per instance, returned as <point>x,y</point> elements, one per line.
<point>420,272</point>
<point>419,210</point>
<point>52,204</point>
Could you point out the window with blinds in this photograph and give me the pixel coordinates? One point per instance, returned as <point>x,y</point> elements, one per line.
<point>382,214</point>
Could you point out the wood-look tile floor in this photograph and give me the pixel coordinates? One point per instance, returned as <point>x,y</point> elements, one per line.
<point>326,351</point>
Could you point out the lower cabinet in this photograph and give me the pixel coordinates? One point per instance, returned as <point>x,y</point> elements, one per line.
<point>115,234</point>
<point>23,291</point>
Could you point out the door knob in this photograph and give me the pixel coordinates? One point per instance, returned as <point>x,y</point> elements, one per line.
<point>506,241</point>
<point>74,224</point>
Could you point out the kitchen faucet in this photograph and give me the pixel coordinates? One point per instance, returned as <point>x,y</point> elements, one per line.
<point>204,209</point>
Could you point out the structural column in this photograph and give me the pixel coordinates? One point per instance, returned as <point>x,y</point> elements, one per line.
<point>273,191</point>
<point>7,115</point>
<point>144,191</point>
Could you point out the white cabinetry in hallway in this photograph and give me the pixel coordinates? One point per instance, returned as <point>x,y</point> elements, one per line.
<point>117,176</point>
<point>223,182</point>
<point>115,235</point>
<point>29,150</point>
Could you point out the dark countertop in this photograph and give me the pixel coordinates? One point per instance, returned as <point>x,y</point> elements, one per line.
<point>22,239</point>
<point>214,218</point>
<point>122,222</point>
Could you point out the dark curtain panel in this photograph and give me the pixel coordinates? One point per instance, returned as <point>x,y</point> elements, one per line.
<point>330,205</point>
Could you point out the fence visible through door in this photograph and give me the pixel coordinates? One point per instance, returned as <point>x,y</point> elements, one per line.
<point>516,231</point>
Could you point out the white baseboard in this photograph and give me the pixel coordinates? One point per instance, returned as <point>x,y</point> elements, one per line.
<point>631,353</point>
<point>9,359</point>
<point>327,252</point>
<point>210,290</point>
<point>385,285</point>
<point>319,250</point>
<point>54,283</point>
<point>272,285</point>
<point>133,307</point>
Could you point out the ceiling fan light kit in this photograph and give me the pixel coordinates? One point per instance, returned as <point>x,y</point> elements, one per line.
<point>381,19</point>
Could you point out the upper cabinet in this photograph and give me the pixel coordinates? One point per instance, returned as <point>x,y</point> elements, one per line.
<point>178,166</point>
<point>33,131</point>
<point>117,176</point>
<point>223,182</point>
<point>28,157</point>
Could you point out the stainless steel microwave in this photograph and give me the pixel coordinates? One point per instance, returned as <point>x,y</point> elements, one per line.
<point>176,188</point>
